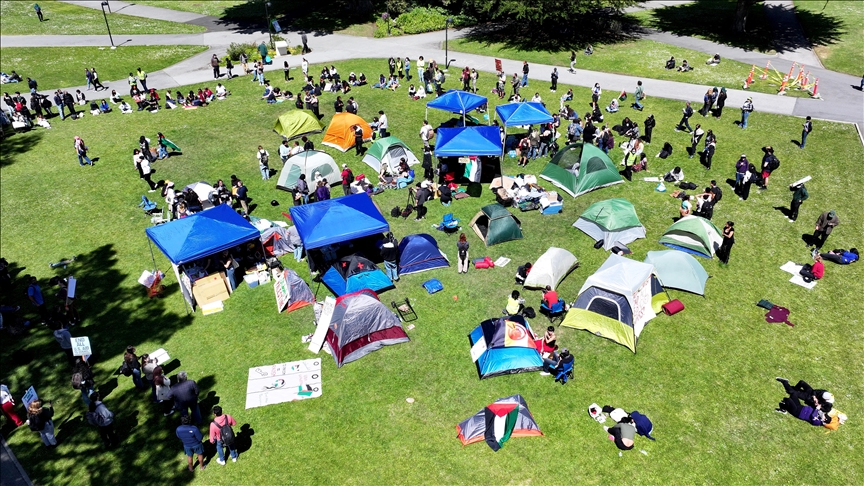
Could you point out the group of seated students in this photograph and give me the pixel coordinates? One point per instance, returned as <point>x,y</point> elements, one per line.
<point>390,83</point>
<point>150,100</point>
<point>684,67</point>
<point>186,202</point>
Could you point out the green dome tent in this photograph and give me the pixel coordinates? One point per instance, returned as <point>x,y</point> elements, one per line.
<point>579,168</point>
<point>614,221</point>
<point>296,123</point>
<point>677,270</point>
<point>693,234</point>
<point>494,224</point>
<point>388,150</point>
<point>309,162</point>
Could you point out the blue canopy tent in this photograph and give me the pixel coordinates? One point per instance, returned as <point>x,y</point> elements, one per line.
<point>467,141</point>
<point>522,113</point>
<point>200,235</point>
<point>456,101</point>
<point>504,346</point>
<point>418,253</point>
<point>337,220</point>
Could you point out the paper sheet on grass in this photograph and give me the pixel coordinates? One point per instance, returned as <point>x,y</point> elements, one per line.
<point>797,279</point>
<point>283,382</point>
<point>502,261</point>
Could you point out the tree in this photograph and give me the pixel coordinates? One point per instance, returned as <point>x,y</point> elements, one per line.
<point>741,11</point>
<point>544,12</point>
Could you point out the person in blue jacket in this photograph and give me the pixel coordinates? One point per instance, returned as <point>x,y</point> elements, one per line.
<point>840,256</point>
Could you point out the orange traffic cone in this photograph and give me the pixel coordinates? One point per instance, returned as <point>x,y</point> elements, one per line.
<point>815,93</point>
<point>783,86</point>
<point>749,78</point>
<point>765,73</point>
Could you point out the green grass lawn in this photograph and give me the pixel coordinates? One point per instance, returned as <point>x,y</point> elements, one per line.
<point>19,18</point>
<point>636,58</point>
<point>705,376</point>
<point>843,49</point>
<point>57,67</point>
<point>214,8</point>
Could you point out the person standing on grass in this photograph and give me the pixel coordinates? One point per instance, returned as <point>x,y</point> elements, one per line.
<point>229,67</point>
<point>554,80</point>
<point>185,392</point>
<point>358,140</point>
<point>40,420</point>
<point>595,93</point>
<point>214,63</point>
<point>222,434</point>
<point>69,101</point>
<point>81,150</point>
<point>38,10</point>
<point>525,70</point>
<point>191,438</point>
<point>799,195</point>
<point>58,100</point>
<point>639,95</point>
<point>710,148</point>
<point>407,66</point>
<point>244,60</point>
<point>462,253</point>
<point>706,103</point>
<point>686,113</point>
<point>721,102</point>
<point>347,175</point>
<point>103,419</point>
<point>824,226</point>
<point>770,163</point>
<point>263,163</point>
<point>728,241</point>
<point>144,170</point>
<point>695,138</point>
<point>262,50</point>
<point>746,109</point>
<point>142,78</point>
<point>649,125</point>
<point>390,255</point>
<point>807,128</point>
<point>8,402</point>
<point>572,61</point>
<point>243,198</point>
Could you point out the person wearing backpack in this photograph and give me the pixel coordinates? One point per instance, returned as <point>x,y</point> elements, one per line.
<point>264,163</point>
<point>103,419</point>
<point>132,367</point>
<point>222,434</point>
<point>348,176</point>
<point>39,420</point>
<point>82,379</point>
<point>799,195</point>
<point>770,163</point>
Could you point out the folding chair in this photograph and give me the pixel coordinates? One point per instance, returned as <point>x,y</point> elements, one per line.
<point>147,205</point>
<point>554,312</point>
<point>565,373</point>
<point>449,224</point>
<point>405,310</point>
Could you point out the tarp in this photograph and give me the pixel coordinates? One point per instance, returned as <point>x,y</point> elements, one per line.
<point>495,224</point>
<point>614,221</point>
<point>340,133</point>
<point>418,253</point>
<point>388,150</point>
<point>678,270</point>
<point>615,302</point>
<point>693,234</point>
<point>202,234</point>
<point>360,325</point>
<point>550,268</point>
<point>456,101</point>
<point>523,113</point>
<point>353,273</point>
<point>468,141</point>
<point>296,123</point>
<point>337,220</point>
<point>477,427</point>
<point>579,168</point>
<point>507,345</point>
<point>308,162</point>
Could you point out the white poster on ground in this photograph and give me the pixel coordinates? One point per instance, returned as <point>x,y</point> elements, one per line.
<point>323,325</point>
<point>283,382</point>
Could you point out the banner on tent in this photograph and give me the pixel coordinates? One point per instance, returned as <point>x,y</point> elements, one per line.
<point>282,289</point>
<point>283,382</point>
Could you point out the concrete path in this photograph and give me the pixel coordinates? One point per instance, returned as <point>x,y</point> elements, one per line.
<point>789,39</point>
<point>212,24</point>
<point>11,472</point>
<point>655,4</point>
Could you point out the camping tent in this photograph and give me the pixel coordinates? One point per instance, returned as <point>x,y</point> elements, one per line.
<point>506,418</point>
<point>615,302</point>
<point>337,220</point>
<point>308,162</point>
<point>353,273</point>
<point>456,101</point>
<point>579,168</point>
<point>504,346</point>
<point>388,150</point>
<point>202,234</point>
<point>276,241</point>
<point>614,221</point>
<point>361,324</point>
<point>677,270</point>
<point>296,123</point>
<point>340,133</point>
<point>299,293</point>
<point>467,141</point>
<point>418,253</point>
<point>494,224</point>
<point>523,113</point>
<point>550,268</point>
<point>693,234</point>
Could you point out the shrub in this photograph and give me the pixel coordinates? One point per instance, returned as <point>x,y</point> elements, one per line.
<point>237,48</point>
<point>419,20</point>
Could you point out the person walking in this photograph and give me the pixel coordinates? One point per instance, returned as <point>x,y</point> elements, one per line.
<point>40,420</point>
<point>639,95</point>
<point>799,195</point>
<point>262,50</point>
<point>305,42</point>
<point>222,434</point>
<point>728,241</point>
<point>746,109</point>
<point>144,170</point>
<point>686,113</point>
<point>83,382</point>
<point>244,62</point>
<point>825,224</point>
<point>263,162</point>
<point>163,391</point>
<point>390,254</point>
<point>185,393</point>
<point>38,10</point>
<point>695,138</point>
<point>132,367</point>
<point>462,250</point>
<point>191,438</point>
<point>572,62</point>
<point>58,101</point>
<point>103,419</point>
<point>721,102</point>
<point>89,76</point>
<point>228,67</point>
<point>214,63</point>
<point>525,70</point>
<point>8,404</point>
<point>97,85</point>
<point>81,150</point>
<point>807,128</point>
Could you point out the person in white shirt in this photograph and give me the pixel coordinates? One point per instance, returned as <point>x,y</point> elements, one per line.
<point>305,67</point>
<point>382,124</point>
<point>221,92</point>
<point>426,132</point>
<point>284,151</point>
<point>296,149</point>
<point>536,98</point>
<point>263,163</point>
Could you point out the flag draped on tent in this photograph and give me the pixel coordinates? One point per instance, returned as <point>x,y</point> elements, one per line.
<point>498,422</point>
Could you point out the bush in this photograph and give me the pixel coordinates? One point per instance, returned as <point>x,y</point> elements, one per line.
<point>419,20</point>
<point>237,48</point>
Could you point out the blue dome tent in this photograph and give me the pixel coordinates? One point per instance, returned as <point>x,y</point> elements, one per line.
<point>418,253</point>
<point>504,346</point>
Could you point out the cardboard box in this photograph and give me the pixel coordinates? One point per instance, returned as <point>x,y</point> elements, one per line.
<point>209,289</point>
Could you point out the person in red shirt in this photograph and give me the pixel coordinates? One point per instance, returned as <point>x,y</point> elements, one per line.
<point>815,271</point>
<point>347,179</point>
<point>550,297</point>
<point>220,421</point>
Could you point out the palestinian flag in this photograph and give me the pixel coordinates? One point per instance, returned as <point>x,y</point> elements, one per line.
<point>500,421</point>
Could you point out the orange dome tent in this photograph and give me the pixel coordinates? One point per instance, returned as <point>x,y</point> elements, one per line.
<point>340,133</point>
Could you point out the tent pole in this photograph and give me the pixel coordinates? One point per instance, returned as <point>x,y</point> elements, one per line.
<point>152,257</point>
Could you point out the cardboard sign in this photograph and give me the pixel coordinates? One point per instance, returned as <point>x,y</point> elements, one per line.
<point>81,346</point>
<point>282,290</point>
<point>323,324</point>
<point>71,286</point>
<point>29,396</point>
<point>160,356</point>
<point>283,382</point>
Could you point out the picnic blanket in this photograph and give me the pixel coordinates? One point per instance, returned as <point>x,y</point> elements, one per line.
<point>797,279</point>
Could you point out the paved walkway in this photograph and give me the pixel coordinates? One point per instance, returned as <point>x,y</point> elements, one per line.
<point>212,24</point>
<point>11,472</point>
<point>789,39</point>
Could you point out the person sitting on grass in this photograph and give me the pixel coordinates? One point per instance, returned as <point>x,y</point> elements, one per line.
<point>125,108</point>
<point>812,415</point>
<point>840,256</point>
<point>674,176</point>
<point>815,271</point>
<point>670,64</point>
<point>713,61</point>
<point>94,108</point>
<point>104,107</point>
<point>115,98</point>
<point>522,273</point>
<point>515,304</point>
<point>208,95</point>
<point>221,92</point>
<point>684,67</point>
<point>623,433</point>
<point>547,345</point>
<point>613,106</point>
<point>382,82</point>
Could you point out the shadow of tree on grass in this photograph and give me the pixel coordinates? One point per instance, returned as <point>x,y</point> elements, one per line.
<point>14,145</point>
